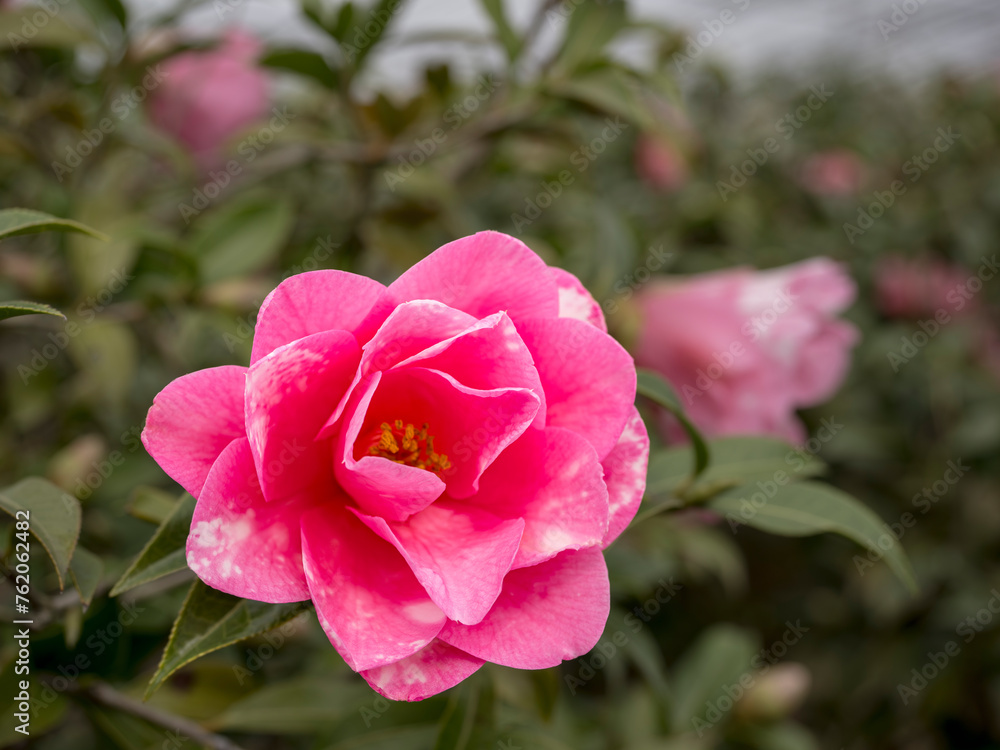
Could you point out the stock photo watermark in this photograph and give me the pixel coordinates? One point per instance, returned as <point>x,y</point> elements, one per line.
<point>713,29</point>
<point>581,159</point>
<point>937,661</point>
<point>915,167</point>
<point>87,311</point>
<point>760,664</point>
<point>249,149</point>
<point>923,501</point>
<point>958,298</point>
<point>786,126</point>
<point>607,648</point>
<point>424,148</point>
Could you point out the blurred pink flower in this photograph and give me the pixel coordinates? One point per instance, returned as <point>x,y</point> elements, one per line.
<point>745,348</point>
<point>437,464</point>
<point>834,172</point>
<point>208,97</point>
<point>660,164</point>
<point>913,288</point>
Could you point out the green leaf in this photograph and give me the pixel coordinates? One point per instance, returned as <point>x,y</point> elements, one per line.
<point>367,31</point>
<point>15,221</point>
<point>54,518</point>
<point>57,32</point>
<point>548,687</point>
<point>735,461</point>
<point>717,659</point>
<point>655,388</point>
<point>589,29</point>
<point>505,33</point>
<point>708,550</point>
<point>611,90</point>
<point>20,307</point>
<point>302,705</point>
<point>344,22</point>
<point>126,731</point>
<point>210,620</point>
<point>107,354</point>
<point>164,552</point>
<point>100,9</point>
<point>785,736</point>
<point>319,13</point>
<point>310,64</point>
<point>469,712</point>
<point>811,508</point>
<point>151,504</point>
<point>241,237</point>
<point>86,569</point>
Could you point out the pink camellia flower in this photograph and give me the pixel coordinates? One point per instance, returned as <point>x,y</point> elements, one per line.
<point>660,164</point>
<point>745,348</point>
<point>912,288</point>
<point>835,172</point>
<point>436,464</point>
<point>208,97</point>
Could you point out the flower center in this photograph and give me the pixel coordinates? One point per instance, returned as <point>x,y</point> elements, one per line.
<point>409,446</point>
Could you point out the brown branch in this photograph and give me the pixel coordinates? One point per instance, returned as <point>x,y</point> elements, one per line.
<point>106,695</point>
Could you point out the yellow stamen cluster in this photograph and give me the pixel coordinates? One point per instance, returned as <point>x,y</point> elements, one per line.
<point>406,445</point>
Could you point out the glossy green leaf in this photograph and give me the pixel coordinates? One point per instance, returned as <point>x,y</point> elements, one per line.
<point>809,508</point>
<point>717,659</point>
<point>241,237</point>
<point>655,388</point>
<point>86,570</point>
<point>15,221</point>
<point>54,518</point>
<point>19,307</point>
<point>210,620</point>
<point>164,552</point>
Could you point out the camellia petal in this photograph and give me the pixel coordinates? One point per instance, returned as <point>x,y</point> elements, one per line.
<point>575,301</point>
<point>483,274</point>
<point>433,669</point>
<point>459,554</point>
<point>378,485</point>
<point>241,544</point>
<point>466,427</point>
<point>625,475</point>
<point>367,599</point>
<point>589,379</point>
<point>289,394</point>
<point>552,479</point>
<point>411,328</point>
<point>546,614</point>
<point>437,464</point>
<point>192,420</point>
<point>488,354</point>
<point>312,302</point>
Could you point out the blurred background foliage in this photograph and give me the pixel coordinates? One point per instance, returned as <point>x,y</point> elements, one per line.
<point>371,183</point>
